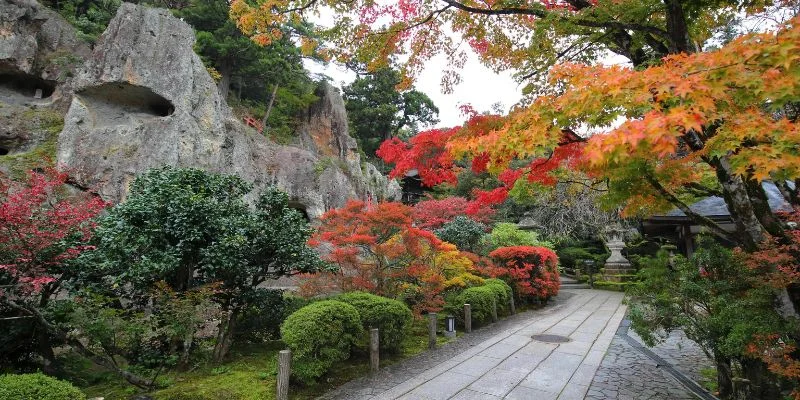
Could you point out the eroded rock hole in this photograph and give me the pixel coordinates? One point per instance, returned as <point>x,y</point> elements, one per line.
<point>26,85</point>
<point>3,151</point>
<point>117,103</point>
<point>300,208</point>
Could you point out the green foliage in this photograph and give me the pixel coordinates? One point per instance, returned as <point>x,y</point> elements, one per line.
<point>46,122</point>
<point>319,335</point>
<point>463,232</point>
<point>574,257</point>
<point>506,234</point>
<point>480,299</point>
<point>260,321</point>
<point>391,317</point>
<point>192,229</point>
<point>378,111</point>
<point>502,292</point>
<point>37,387</point>
<point>90,17</point>
<point>714,297</point>
<point>250,71</point>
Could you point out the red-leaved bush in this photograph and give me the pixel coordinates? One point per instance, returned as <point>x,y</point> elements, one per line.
<point>432,214</point>
<point>532,271</point>
<point>41,227</point>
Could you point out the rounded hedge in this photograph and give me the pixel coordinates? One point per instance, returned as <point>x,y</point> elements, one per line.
<point>37,386</point>
<point>480,299</point>
<point>391,317</point>
<point>502,292</point>
<point>319,335</point>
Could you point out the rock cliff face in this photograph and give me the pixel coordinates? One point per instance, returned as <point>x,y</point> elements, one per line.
<point>39,52</point>
<point>143,98</point>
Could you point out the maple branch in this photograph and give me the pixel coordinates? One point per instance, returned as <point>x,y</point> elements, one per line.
<point>588,186</point>
<point>674,200</point>
<point>562,54</point>
<point>78,345</point>
<point>541,13</point>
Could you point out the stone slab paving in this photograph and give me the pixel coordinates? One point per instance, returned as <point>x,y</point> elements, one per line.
<point>682,353</point>
<point>510,364</point>
<point>628,374</point>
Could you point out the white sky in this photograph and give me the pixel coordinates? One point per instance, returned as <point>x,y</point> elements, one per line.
<point>480,87</point>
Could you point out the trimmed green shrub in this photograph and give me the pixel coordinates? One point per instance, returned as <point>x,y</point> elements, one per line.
<point>391,317</point>
<point>480,299</point>
<point>319,335</point>
<point>37,386</point>
<point>502,292</point>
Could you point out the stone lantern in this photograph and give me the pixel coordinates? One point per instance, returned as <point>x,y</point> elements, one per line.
<point>616,264</point>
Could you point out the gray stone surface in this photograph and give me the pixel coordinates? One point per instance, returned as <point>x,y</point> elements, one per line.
<point>503,361</point>
<point>682,353</point>
<point>626,373</point>
<point>38,50</point>
<point>145,99</point>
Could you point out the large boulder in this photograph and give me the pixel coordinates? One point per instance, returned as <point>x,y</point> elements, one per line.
<point>39,52</point>
<point>144,99</point>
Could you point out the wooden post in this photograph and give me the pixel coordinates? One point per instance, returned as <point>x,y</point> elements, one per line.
<point>467,318</point>
<point>374,354</point>
<point>494,310</point>
<point>513,306</point>
<point>284,371</point>
<point>432,322</point>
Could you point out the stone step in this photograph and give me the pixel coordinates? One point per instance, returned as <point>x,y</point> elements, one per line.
<point>575,285</point>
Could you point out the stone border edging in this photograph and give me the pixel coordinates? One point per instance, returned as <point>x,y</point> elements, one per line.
<point>687,382</point>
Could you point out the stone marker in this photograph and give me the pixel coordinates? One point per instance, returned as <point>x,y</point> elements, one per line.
<point>374,354</point>
<point>467,318</point>
<point>284,372</point>
<point>432,330</point>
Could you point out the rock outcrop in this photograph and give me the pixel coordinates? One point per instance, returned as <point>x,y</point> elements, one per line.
<point>142,98</point>
<point>39,52</point>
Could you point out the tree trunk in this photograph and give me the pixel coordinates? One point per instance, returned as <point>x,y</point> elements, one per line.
<point>749,230</point>
<point>724,377</point>
<point>269,108</point>
<point>225,336</point>
<point>759,382</point>
<point>45,349</point>
<point>758,196</point>
<point>676,27</point>
<point>224,84</point>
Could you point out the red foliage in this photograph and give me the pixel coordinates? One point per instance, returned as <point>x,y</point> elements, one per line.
<point>41,227</point>
<point>532,270</point>
<point>432,214</point>
<point>565,155</point>
<point>778,263</point>
<point>425,153</point>
<point>377,250</point>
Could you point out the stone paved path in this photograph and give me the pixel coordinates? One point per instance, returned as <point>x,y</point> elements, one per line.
<point>512,365</point>
<point>627,374</point>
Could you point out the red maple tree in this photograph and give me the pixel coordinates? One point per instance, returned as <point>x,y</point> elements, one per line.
<point>533,271</point>
<point>42,226</point>
<point>432,214</point>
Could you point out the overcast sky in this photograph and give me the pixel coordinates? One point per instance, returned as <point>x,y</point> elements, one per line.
<point>480,87</point>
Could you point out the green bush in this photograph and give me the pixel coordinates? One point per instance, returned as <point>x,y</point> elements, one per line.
<point>506,234</point>
<point>480,299</point>
<point>391,317</point>
<point>319,335</point>
<point>37,387</point>
<point>463,232</point>
<point>502,292</point>
<point>260,321</point>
